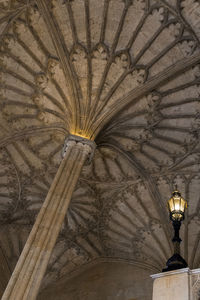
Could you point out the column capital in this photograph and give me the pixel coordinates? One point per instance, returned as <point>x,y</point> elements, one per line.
<point>76,139</point>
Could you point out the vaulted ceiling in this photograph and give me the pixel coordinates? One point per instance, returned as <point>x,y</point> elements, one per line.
<point>113,71</point>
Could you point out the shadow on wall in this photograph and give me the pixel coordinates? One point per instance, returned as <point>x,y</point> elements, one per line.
<point>103,281</point>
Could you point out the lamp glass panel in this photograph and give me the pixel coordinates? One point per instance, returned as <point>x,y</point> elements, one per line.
<point>171,205</point>
<point>182,208</point>
<point>177,204</point>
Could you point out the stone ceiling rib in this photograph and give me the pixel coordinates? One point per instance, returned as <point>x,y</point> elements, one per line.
<point>156,198</point>
<point>63,55</point>
<point>177,13</point>
<point>127,74</point>
<point>89,61</point>
<point>147,87</point>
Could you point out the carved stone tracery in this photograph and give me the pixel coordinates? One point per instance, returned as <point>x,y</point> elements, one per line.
<point>117,53</point>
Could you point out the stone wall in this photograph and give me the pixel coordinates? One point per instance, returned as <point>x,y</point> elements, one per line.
<point>182,284</point>
<point>195,284</point>
<point>103,281</point>
<point>5,272</point>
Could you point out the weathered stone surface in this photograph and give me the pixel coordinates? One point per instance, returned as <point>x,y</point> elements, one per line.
<point>174,285</point>
<point>31,266</point>
<point>103,280</point>
<point>182,284</point>
<point>68,67</point>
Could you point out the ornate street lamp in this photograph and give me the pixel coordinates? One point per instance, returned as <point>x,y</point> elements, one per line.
<point>176,206</point>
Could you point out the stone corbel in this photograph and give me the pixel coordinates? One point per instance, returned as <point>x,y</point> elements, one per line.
<point>84,141</point>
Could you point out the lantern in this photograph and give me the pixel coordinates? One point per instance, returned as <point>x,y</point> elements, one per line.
<point>177,206</point>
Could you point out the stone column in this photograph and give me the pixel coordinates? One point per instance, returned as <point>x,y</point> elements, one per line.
<point>173,285</point>
<point>30,269</point>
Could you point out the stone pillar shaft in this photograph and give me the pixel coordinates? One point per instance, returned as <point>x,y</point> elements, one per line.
<point>30,269</point>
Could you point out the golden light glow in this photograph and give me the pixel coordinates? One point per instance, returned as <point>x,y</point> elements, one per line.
<point>177,206</point>
<point>81,134</point>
